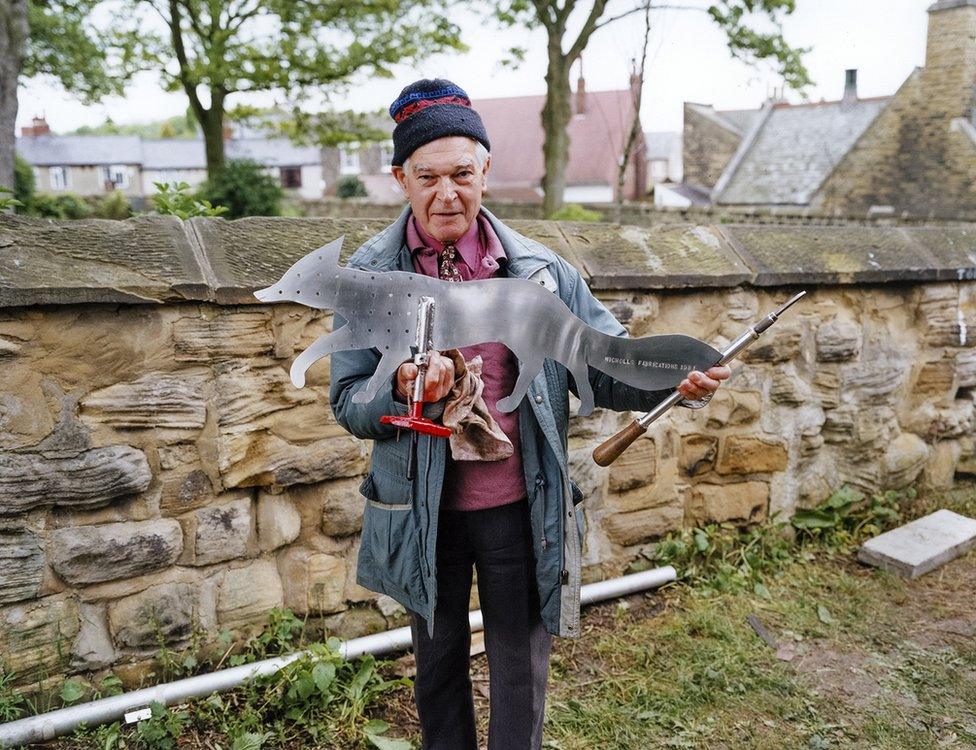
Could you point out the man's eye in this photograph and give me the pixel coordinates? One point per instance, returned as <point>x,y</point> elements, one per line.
<point>465,174</point>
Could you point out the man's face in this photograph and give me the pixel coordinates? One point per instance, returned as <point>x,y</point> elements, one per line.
<point>444,185</point>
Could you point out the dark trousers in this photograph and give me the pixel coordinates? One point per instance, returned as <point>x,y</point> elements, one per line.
<point>498,542</point>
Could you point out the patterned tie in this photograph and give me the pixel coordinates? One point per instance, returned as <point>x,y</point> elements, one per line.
<point>449,270</point>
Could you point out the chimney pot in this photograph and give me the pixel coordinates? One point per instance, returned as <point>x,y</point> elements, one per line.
<point>850,85</point>
<point>37,127</point>
<point>580,95</point>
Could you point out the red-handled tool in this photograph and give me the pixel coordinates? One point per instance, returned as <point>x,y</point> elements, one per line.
<point>415,421</point>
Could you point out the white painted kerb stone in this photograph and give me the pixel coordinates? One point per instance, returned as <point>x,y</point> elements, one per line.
<point>920,546</point>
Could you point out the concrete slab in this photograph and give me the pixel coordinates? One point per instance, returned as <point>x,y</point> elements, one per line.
<point>781,254</point>
<point>658,257</point>
<point>248,254</point>
<point>145,260</point>
<point>922,545</point>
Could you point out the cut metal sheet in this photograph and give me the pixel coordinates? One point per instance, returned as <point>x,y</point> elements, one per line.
<point>381,309</point>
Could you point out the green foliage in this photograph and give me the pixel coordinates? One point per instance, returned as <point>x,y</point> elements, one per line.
<point>61,206</point>
<point>24,184</point>
<point>575,212</point>
<point>327,128</point>
<point>72,691</point>
<point>12,703</point>
<point>176,200</point>
<point>350,186</point>
<point>298,49</point>
<point>113,206</point>
<point>751,46</point>
<point>6,203</point>
<point>161,731</point>
<point>245,189</point>
<point>104,737</point>
<point>723,557</point>
<point>64,44</point>
<point>177,126</point>
<point>846,517</point>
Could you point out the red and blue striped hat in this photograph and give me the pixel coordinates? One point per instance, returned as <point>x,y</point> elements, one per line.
<point>429,109</point>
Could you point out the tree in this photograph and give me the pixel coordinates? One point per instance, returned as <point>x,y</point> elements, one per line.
<point>636,129</point>
<point>216,48</point>
<point>55,39</point>
<point>564,48</point>
<point>13,36</point>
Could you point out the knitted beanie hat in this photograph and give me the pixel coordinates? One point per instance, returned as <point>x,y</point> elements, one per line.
<point>429,109</point>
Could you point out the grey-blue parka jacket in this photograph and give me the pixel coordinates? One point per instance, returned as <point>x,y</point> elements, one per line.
<point>399,536</point>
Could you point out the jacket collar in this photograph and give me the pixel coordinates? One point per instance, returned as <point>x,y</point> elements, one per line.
<point>389,252</point>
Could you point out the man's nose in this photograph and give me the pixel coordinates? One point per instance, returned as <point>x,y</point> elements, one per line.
<point>445,190</point>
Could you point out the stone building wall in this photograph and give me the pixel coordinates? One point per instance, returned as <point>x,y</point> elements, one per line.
<point>159,474</point>
<point>707,148</point>
<point>919,155</point>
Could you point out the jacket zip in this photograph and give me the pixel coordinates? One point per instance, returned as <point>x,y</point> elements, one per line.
<point>540,484</point>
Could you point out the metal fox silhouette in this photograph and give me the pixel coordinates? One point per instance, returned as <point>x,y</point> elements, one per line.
<point>381,310</point>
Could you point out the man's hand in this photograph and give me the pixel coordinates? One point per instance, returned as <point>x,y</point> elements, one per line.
<point>701,384</point>
<point>437,383</point>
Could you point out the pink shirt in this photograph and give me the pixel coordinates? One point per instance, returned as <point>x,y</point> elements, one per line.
<point>475,485</point>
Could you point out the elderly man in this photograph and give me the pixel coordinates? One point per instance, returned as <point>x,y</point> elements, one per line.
<point>511,519</point>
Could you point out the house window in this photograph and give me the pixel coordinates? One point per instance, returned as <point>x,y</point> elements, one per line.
<point>386,156</point>
<point>291,177</point>
<point>349,159</point>
<point>115,176</point>
<point>58,177</point>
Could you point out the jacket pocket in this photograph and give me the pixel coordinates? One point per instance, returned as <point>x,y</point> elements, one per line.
<point>391,533</point>
<point>383,488</point>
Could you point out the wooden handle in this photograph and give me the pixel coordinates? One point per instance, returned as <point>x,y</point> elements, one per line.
<point>610,449</point>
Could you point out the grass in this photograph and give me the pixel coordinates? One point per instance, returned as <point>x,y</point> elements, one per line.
<point>862,659</point>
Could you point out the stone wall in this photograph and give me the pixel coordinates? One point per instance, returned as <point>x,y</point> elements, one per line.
<point>635,213</point>
<point>919,155</point>
<point>159,474</point>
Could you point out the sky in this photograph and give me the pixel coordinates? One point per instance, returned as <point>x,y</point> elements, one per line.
<point>688,61</point>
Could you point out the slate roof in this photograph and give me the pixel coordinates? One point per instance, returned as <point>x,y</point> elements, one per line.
<point>793,151</point>
<point>596,139</point>
<point>165,153</point>
<point>737,121</point>
<point>80,150</point>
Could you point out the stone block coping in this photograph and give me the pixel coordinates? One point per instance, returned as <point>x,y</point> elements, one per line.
<point>160,259</point>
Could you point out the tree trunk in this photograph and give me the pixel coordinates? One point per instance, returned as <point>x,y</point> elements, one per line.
<point>556,114</point>
<point>212,125</point>
<point>13,36</point>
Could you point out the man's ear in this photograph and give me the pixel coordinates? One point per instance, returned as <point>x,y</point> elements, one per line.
<point>484,172</point>
<point>401,177</point>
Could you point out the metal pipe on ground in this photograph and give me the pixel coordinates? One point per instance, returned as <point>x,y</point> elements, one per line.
<point>56,723</point>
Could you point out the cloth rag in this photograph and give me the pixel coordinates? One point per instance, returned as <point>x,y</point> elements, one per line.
<point>475,435</point>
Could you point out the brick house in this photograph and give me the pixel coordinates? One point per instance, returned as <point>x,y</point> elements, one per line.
<point>597,135</point>
<point>913,153</point>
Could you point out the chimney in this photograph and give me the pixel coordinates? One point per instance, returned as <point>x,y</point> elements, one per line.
<point>581,92</point>
<point>850,86</point>
<point>950,67</point>
<point>37,127</point>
